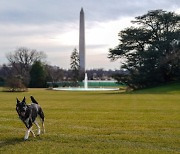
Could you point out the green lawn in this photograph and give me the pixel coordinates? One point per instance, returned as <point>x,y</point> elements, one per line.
<point>146,121</point>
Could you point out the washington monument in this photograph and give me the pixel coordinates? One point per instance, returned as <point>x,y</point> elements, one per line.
<point>82,41</point>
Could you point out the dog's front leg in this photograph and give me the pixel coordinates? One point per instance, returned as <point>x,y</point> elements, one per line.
<point>27,133</point>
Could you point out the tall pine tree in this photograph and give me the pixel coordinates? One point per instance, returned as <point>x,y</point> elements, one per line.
<point>75,65</point>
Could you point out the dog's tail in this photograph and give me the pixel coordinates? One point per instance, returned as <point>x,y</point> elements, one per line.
<point>33,100</point>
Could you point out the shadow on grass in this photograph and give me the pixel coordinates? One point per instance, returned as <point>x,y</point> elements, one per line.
<point>11,141</point>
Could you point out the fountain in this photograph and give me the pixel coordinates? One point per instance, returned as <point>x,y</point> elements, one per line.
<point>85,88</point>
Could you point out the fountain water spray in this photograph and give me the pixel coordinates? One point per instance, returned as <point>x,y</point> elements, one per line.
<point>86,81</point>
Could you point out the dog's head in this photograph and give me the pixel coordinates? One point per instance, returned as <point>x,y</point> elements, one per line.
<point>21,107</point>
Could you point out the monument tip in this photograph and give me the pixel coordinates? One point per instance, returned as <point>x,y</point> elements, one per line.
<point>82,9</point>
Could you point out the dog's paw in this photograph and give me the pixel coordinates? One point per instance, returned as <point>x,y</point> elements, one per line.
<point>26,138</point>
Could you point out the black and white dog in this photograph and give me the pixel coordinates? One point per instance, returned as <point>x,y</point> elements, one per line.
<point>28,114</point>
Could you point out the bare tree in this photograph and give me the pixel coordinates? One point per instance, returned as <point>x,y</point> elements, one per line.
<point>54,74</point>
<point>21,60</point>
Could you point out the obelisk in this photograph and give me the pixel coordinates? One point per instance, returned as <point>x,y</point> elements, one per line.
<point>82,41</point>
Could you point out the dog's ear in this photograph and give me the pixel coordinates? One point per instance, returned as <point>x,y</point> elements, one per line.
<point>17,101</point>
<point>24,100</point>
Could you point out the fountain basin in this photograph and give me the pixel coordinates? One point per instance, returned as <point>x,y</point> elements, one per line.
<point>85,89</point>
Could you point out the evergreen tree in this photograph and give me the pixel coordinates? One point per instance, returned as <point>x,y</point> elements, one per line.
<point>37,75</point>
<point>151,50</point>
<point>75,65</point>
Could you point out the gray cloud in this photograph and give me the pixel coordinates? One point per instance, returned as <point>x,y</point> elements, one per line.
<point>46,11</point>
<point>42,24</point>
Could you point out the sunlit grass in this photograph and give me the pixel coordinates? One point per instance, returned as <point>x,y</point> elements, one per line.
<point>95,122</point>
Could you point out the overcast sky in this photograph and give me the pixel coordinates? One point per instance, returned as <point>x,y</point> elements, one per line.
<point>52,26</point>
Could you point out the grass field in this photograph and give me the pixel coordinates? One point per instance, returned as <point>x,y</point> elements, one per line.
<point>146,121</point>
